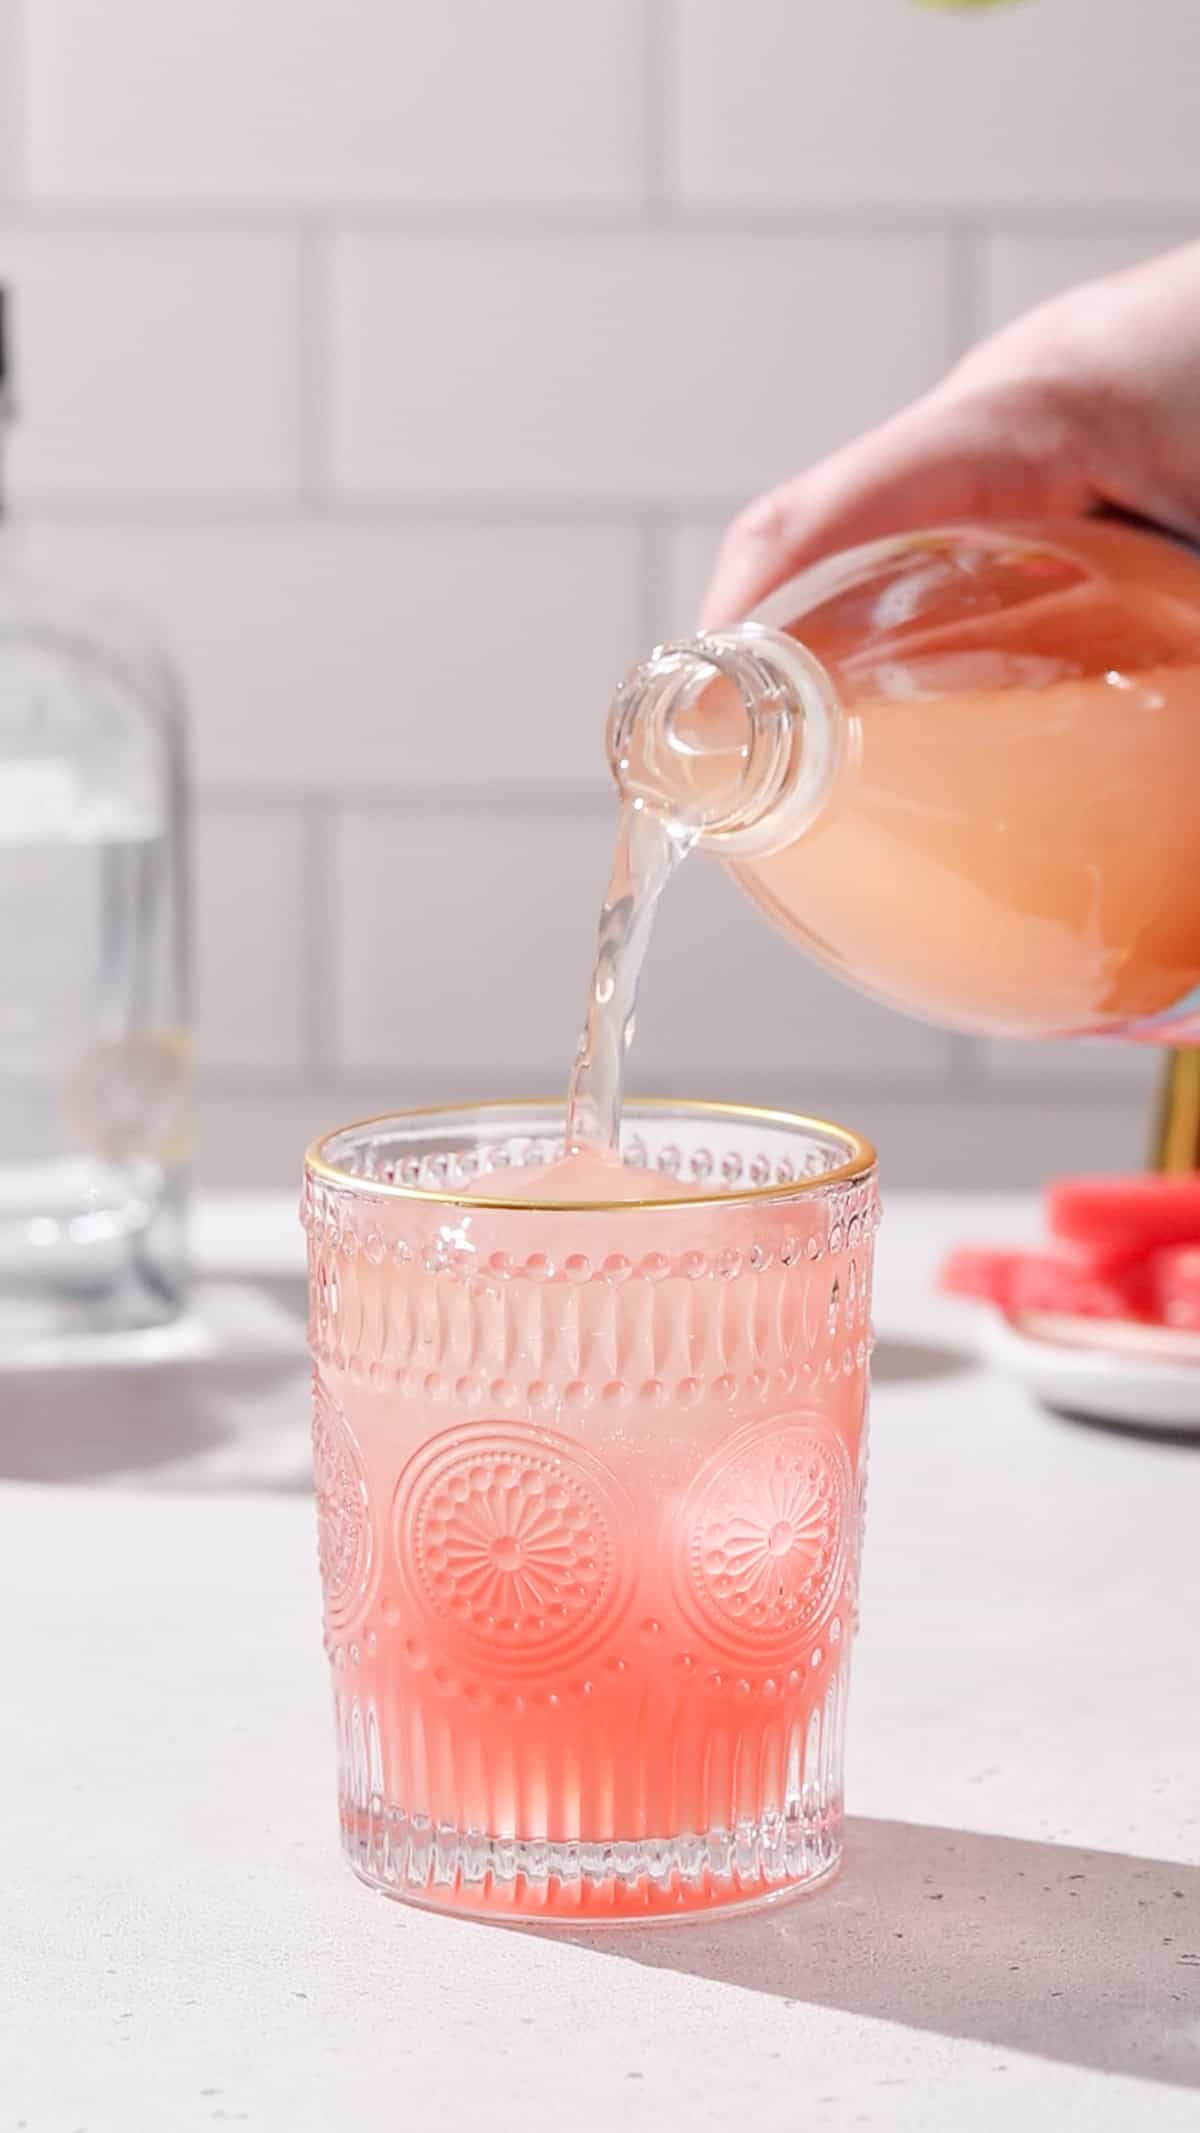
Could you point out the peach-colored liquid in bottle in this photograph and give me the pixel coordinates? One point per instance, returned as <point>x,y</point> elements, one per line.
<point>1006,835</point>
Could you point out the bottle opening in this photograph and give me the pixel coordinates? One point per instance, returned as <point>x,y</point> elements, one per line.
<point>732,737</point>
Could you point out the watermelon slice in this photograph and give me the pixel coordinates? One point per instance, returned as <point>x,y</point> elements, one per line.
<point>1136,1215</point>
<point>1052,1285</point>
<point>1122,1249</point>
<point>1016,1281</point>
<point>1175,1281</point>
<point>985,1275</point>
<point>1101,1258</point>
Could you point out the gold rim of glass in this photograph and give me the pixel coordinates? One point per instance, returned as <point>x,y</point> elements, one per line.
<point>860,1164</point>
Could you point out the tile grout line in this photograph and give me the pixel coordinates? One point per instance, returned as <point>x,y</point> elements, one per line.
<point>384,509</point>
<point>918,1090</point>
<point>654,621</point>
<point>674,216</point>
<point>313,369</point>
<point>964,1069</point>
<point>18,110</point>
<point>369,1084</point>
<point>657,109</point>
<point>316,907</point>
<point>411,801</point>
<point>964,320</point>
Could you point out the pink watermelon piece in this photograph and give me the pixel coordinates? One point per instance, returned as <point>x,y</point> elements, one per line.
<point>1101,1259</point>
<point>1175,1286</point>
<point>985,1275</point>
<point>1120,1248</point>
<point>1050,1285</point>
<point>1015,1281</point>
<point>1135,1215</point>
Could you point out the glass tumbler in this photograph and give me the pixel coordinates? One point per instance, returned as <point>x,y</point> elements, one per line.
<point>590,1486</point>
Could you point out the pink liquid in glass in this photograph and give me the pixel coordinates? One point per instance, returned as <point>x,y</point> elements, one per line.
<point>590,1487</point>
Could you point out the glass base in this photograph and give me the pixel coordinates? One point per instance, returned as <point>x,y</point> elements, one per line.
<point>614,1883</point>
<point>76,1272</point>
<point>37,1319</point>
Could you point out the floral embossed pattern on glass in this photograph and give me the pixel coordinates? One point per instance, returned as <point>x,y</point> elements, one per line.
<point>589,1485</point>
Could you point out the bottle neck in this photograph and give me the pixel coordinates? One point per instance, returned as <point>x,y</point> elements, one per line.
<point>736,737</point>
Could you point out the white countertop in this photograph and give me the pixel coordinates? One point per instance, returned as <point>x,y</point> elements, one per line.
<point>1015,1940</point>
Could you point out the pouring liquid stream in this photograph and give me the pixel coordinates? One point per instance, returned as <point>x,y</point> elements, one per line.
<point>650,845</point>
<point>682,742</point>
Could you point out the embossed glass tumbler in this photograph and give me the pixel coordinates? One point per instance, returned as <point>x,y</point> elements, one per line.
<point>590,1494</point>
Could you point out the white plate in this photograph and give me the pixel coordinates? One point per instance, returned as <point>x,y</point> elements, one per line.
<point>1145,1376</point>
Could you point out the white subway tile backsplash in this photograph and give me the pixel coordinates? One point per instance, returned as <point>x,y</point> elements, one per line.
<point>1021,268</point>
<point>650,366</point>
<point>1009,1143</point>
<point>312,100</point>
<point>323,656</point>
<point>248,1141</point>
<point>464,941</point>
<point>1074,1063</point>
<point>924,1140</point>
<point>377,358</point>
<point>690,550</point>
<point>469,939</point>
<point>251,926</point>
<point>883,103</point>
<point>152,365</point>
<point>12,99</point>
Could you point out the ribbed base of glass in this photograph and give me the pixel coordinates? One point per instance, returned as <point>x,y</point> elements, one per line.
<point>613,1883</point>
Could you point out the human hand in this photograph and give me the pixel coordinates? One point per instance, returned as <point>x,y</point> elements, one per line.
<point>1092,399</point>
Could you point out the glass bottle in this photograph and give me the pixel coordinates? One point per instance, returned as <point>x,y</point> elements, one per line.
<point>94,1054</point>
<point>961,768</point>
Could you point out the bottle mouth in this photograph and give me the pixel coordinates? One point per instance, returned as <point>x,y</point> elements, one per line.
<point>732,737</point>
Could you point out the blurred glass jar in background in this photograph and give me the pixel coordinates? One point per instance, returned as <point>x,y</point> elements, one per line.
<point>94,1053</point>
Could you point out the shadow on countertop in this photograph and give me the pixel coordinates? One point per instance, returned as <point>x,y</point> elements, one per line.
<point>903,1362</point>
<point>228,1410</point>
<point>1084,1957</point>
<point>1135,1432</point>
<point>227,1405</point>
